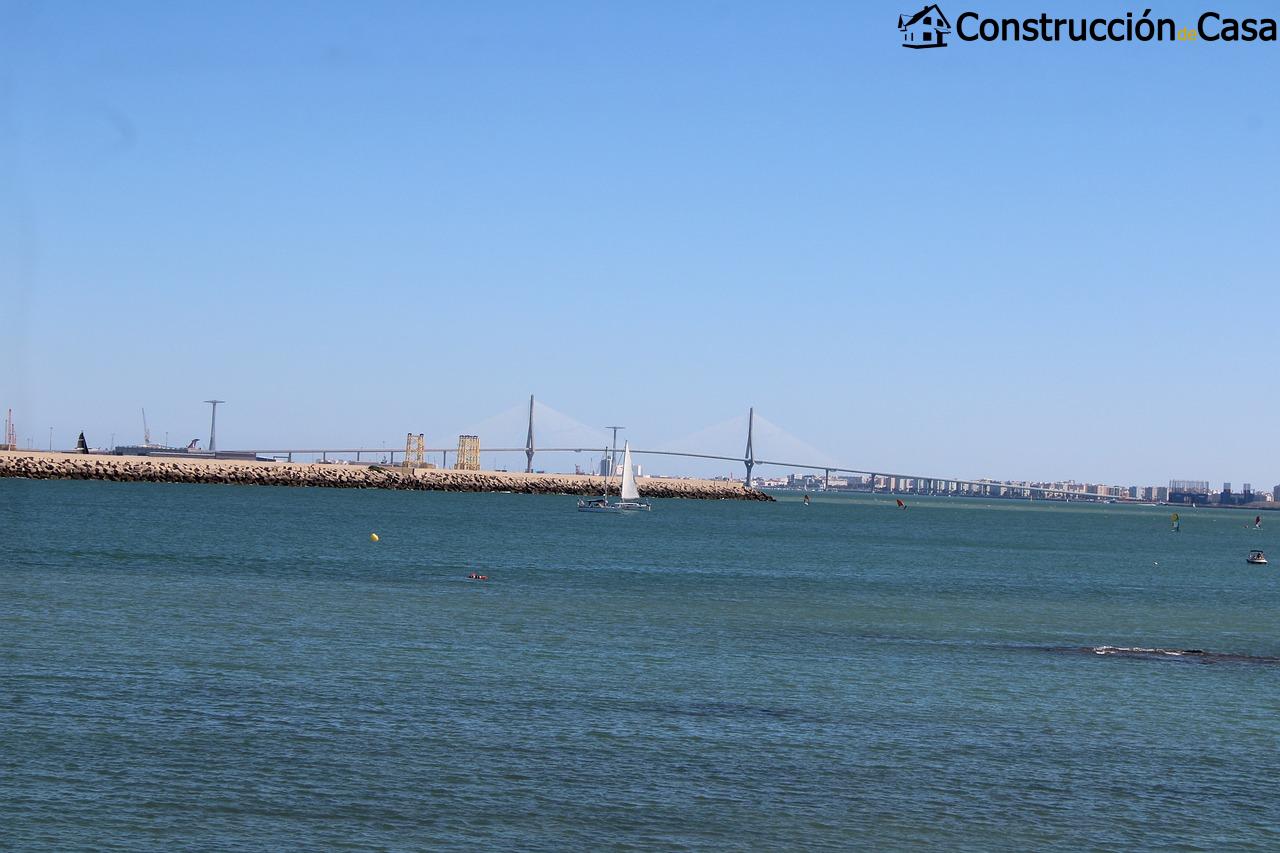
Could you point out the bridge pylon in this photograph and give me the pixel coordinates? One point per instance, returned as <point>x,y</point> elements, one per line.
<point>749,457</point>
<point>528,444</point>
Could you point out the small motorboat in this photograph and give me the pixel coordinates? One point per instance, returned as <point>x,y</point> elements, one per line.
<point>1257,558</point>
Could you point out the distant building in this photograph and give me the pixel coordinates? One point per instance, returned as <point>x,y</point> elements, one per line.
<point>1189,491</point>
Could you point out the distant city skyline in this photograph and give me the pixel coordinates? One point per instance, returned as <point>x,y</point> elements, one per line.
<point>778,445</point>
<point>352,222</point>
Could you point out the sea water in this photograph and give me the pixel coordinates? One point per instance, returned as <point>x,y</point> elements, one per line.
<point>242,668</point>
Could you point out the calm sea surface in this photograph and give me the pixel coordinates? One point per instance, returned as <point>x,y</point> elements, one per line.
<point>240,668</point>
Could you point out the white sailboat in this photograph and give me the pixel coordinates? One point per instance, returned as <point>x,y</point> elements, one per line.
<point>630,498</point>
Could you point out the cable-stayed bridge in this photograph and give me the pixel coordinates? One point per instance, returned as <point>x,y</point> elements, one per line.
<point>895,481</point>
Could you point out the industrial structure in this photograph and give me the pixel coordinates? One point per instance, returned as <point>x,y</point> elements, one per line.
<point>468,453</point>
<point>415,451</point>
<point>10,433</point>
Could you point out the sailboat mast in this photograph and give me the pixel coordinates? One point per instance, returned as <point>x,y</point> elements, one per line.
<point>613,464</point>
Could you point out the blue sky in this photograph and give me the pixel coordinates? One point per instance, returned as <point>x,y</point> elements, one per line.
<point>355,220</point>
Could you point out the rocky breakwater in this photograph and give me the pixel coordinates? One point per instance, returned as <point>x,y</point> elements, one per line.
<point>150,469</point>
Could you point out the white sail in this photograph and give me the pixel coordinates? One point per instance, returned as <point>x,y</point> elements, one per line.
<point>629,490</point>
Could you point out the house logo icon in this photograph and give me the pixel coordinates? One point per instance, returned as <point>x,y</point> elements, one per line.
<point>926,28</point>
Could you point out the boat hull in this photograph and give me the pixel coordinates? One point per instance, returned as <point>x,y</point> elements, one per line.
<point>625,506</point>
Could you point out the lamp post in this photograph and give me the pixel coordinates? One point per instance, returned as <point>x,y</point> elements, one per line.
<point>213,424</point>
<point>613,455</point>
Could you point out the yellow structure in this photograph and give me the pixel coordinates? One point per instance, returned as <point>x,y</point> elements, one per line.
<point>415,451</point>
<point>468,453</point>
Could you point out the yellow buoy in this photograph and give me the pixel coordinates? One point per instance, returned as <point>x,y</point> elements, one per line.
<point>373,537</point>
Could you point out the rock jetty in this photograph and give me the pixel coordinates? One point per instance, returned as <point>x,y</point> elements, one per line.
<point>151,469</point>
